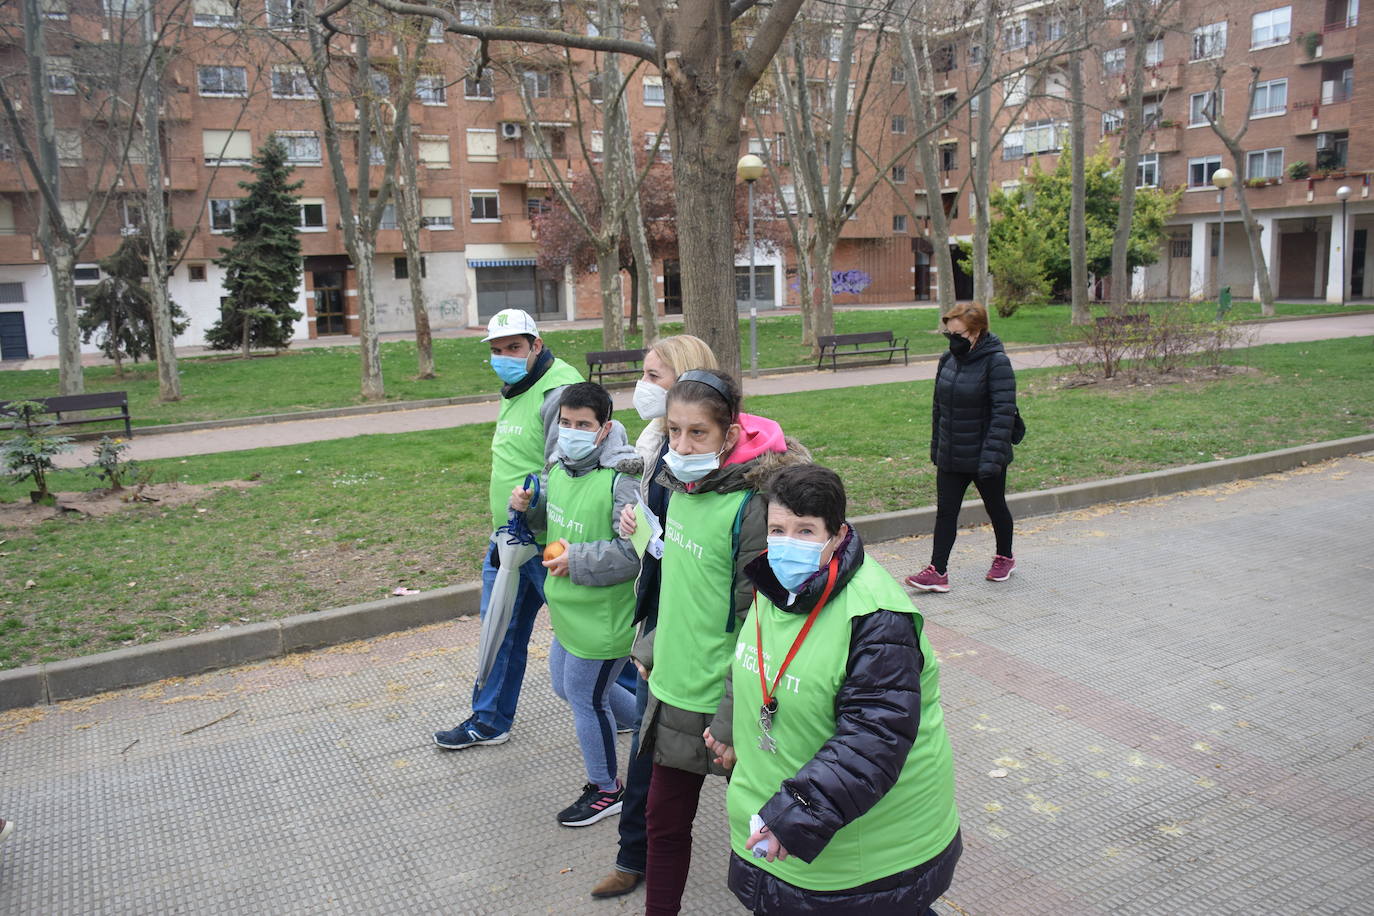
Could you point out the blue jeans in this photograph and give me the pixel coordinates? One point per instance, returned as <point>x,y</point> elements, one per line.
<point>634,834</point>
<point>493,706</point>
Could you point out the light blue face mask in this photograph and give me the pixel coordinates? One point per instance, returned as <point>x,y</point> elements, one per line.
<point>510,369</point>
<point>690,468</point>
<point>793,560</point>
<point>576,444</point>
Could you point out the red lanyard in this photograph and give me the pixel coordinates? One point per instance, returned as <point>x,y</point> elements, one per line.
<point>768,700</point>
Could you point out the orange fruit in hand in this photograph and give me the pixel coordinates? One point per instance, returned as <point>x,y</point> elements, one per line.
<point>554,550</point>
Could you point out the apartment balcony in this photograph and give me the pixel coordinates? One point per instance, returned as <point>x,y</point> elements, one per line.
<point>182,173</point>
<point>1165,138</point>
<point>1337,42</point>
<point>555,109</point>
<point>13,176</point>
<point>532,172</point>
<point>1328,112</point>
<point>18,248</point>
<point>516,229</point>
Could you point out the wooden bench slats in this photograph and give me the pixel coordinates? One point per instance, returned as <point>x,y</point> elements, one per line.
<point>862,344</point>
<point>66,403</point>
<point>598,361</point>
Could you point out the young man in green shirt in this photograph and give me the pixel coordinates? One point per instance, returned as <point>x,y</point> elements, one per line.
<point>525,438</point>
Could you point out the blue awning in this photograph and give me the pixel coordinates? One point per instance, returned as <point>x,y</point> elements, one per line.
<point>504,262</point>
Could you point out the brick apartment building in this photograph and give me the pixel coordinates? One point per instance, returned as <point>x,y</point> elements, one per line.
<point>480,179</point>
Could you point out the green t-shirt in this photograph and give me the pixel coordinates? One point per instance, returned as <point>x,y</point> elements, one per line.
<point>517,446</point>
<point>590,621</point>
<point>909,825</point>
<point>696,599</point>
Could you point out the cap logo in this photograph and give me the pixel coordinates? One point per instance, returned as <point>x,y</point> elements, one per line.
<point>502,320</point>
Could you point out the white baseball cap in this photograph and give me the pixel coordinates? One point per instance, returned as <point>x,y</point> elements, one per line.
<point>509,322</point>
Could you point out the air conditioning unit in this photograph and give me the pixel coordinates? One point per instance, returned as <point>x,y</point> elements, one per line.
<point>510,130</point>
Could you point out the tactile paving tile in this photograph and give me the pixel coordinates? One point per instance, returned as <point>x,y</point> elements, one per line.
<point>1176,690</point>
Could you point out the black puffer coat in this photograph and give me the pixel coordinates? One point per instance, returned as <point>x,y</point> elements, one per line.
<point>974,410</point>
<point>877,712</point>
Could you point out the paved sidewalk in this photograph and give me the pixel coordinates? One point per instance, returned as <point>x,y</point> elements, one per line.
<point>1177,691</point>
<point>295,432</point>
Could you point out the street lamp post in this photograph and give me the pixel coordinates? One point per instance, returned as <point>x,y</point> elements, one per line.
<point>1221,180</point>
<point>750,169</point>
<point>1343,195</point>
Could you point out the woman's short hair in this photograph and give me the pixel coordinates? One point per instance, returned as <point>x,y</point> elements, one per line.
<point>809,489</point>
<point>973,314</point>
<point>682,352</point>
<point>716,393</point>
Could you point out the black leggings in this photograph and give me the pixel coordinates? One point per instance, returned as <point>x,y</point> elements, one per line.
<point>950,488</point>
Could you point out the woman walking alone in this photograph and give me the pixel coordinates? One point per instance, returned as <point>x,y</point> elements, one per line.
<point>972,418</point>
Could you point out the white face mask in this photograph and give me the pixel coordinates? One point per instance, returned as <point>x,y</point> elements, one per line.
<point>650,400</point>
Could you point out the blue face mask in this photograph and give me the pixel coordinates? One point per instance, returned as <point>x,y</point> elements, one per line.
<point>576,444</point>
<point>510,369</point>
<point>793,561</point>
<point>690,468</point>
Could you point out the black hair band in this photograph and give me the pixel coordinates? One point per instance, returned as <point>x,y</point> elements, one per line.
<point>710,380</point>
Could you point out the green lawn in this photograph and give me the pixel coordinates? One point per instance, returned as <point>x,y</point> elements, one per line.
<point>334,523</point>
<point>222,387</point>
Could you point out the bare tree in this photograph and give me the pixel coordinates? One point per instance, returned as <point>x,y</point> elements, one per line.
<point>1078,230</point>
<point>708,77</point>
<point>1231,139</point>
<point>411,46</point>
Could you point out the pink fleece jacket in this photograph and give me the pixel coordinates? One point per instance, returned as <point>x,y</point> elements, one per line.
<point>758,435</point>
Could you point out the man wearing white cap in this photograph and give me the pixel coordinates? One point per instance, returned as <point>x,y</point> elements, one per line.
<point>526,436</point>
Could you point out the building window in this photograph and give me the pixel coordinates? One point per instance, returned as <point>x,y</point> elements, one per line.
<point>899,222</point>
<point>286,14</point>
<point>11,293</point>
<point>1201,108</point>
<point>653,91</point>
<point>1181,247</point>
<point>1264,163</point>
<point>477,12</point>
<point>899,75</point>
<point>949,157</point>
<point>1331,150</point>
<point>380,81</point>
<point>1016,88</point>
<point>898,124</point>
<point>1147,171</point>
<point>486,207</point>
<point>69,146</point>
<point>479,88</point>
<point>436,31</point>
<point>899,174</point>
<point>61,77</point>
<point>221,13</point>
<point>401,267</point>
<point>1112,121</point>
<point>302,146</point>
<point>975,54</point>
<point>290,82</point>
<point>665,148</point>
<point>223,81</point>
<point>1016,34</point>
<point>56,10</point>
<point>222,214</point>
<point>1200,171</point>
<point>195,273</point>
<point>311,215</point>
<point>1154,53</point>
<point>539,84</point>
<point>431,89</point>
<point>433,151</point>
<point>481,144</point>
<point>1114,61</point>
<point>1271,98</point>
<point>1041,136</point>
<point>1209,41</point>
<point>123,8</point>
<point>227,147</point>
<point>944,59</point>
<point>1272,27</point>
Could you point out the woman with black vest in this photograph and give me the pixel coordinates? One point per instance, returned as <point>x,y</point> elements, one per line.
<point>972,419</point>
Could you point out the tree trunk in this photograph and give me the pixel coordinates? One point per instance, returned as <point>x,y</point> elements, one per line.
<point>704,169</point>
<point>918,65</point>
<point>408,207</point>
<point>155,221</point>
<point>1130,158</point>
<point>364,263</point>
<point>1078,235</point>
<point>247,339</point>
<point>612,300</point>
<point>982,166</point>
<point>1263,290</point>
<point>644,299</point>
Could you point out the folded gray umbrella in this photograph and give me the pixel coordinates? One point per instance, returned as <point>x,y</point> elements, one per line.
<point>515,545</point>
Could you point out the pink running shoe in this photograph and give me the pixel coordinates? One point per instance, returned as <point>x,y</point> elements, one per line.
<point>1002,568</point>
<point>928,580</point>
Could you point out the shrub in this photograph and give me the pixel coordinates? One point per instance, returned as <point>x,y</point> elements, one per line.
<point>109,464</point>
<point>29,453</point>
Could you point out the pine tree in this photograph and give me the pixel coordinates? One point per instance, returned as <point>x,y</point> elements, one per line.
<point>263,269</point>
<point>120,307</point>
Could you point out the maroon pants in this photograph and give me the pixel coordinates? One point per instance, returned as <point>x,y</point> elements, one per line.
<point>673,797</point>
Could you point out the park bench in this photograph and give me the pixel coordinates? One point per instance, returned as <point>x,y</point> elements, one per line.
<point>64,405</point>
<point>869,343</point>
<point>629,363</point>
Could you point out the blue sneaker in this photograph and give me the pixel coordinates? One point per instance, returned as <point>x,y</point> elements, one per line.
<point>468,734</point>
